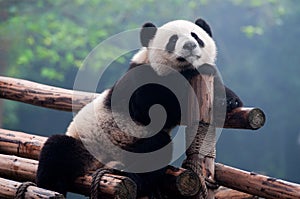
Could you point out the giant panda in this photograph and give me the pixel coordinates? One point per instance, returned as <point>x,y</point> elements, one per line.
<point>176,47</point>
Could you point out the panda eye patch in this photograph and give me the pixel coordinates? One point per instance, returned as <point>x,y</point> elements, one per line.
<point>171,43</point>
<point>199,41</point>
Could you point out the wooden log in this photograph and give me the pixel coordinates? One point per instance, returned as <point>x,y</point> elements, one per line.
<point>245,118</point>
<point>224,193</point>
<point>179,181</point>
<point>21,144</point>
<point>69,100</point>
<point>113,186</point>
<point>201,152</point>
<point>8,190</point>
<point>43,95</point>
<point>16,168</point>
<point>255,184</point>
<point>263,186</point>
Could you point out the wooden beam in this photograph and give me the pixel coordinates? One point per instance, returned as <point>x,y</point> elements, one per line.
<point>243,181</point>
<point>113,186</point>
<point>225,193</point>
<point>8,190</point>
<point>43,95</point>
<point>245,118</point>
<point>255,184</point>
<point>21,144</point>
<point>69,100</point>
<point>179,181</point>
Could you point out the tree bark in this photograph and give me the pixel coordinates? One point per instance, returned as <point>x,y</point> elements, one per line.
<point>43,95</point>
<point>201,152</point>
<point>244,181</point>
<point>8,190</point>
<point>255,184</point>
<point>225,193</point>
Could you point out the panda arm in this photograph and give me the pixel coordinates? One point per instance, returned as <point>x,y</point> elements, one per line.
<point>232,99</point>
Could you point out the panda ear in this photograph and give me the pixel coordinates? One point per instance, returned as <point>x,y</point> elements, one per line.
<point>147,33</point>
<point>200,22</point>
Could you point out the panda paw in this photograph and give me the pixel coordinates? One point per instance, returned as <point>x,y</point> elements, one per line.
<point>233,103</point>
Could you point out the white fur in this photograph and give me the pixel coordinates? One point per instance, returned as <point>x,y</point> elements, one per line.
<point>161,60</point>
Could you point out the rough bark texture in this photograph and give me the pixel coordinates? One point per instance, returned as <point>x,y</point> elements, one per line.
<point>21,144</point>
<point>22,169</point>
<point>43,95</point>
<point>245,118</point>
<point>201,152</point>
<point>255,184</point>
<point>8,190</point>
<point>225,193</point>
<point>178,181</point>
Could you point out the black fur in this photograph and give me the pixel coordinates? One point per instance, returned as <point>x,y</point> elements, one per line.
<point>204,26</point>
<point>170,47</point>
<point>199,41</point>
<point>147,33</point>
<point>62,159</point>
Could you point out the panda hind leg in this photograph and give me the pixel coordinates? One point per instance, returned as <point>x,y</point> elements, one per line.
<point>61,161</point>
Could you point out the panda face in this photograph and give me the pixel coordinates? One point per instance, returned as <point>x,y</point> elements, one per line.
<point>177,45</point>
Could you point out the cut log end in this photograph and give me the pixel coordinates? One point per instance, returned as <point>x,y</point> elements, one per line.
<point>256,118</point>
<point>245,118</point>
<point>188,183</point>
<point>182,182</point>
<point>126,189</point>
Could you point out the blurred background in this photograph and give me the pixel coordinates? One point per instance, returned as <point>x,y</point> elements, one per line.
<point>258,57</point>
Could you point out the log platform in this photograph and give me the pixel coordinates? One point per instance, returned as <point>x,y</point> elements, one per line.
<point>20,152</point>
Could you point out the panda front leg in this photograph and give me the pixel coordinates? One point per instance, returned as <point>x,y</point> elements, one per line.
<point>61,161</point>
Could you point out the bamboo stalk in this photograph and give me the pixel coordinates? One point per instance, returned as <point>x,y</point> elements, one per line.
<point>255,184</point>
<point>69,100</point>
<point>8,190</point>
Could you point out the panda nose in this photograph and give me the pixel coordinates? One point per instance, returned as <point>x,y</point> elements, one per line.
<point>189,45</point>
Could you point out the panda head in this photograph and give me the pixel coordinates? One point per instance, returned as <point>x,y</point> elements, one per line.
<point>178,44</point>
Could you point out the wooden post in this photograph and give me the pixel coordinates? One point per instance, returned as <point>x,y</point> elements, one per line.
<point>201,152</point>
